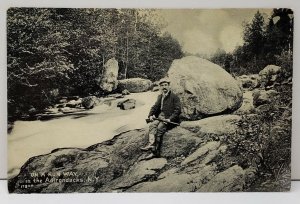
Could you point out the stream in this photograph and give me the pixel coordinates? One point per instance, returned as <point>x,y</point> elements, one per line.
<point>79,130</point>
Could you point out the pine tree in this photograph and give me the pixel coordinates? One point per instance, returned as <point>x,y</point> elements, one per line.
<point>254,39</point>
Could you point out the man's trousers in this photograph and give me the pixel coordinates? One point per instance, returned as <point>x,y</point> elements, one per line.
<point>157,129</point>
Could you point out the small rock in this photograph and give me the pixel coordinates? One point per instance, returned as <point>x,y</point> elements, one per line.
<point>261,97</point>
<point>270,70</point>
<point>32,111</point>
<point>65,110</point>
<point>125,92</point>
<point>116,95</point>
<point>266,108</point>
<point>269,75</point>
<point>127,104</point>
<point>60,105</point>
<point>250,174</point>
<point>155,88</point>
<point>74,103</point>
<point>73,98</point>
<point>249,81</point>
<point>51,111</point>
<point>89,102</point>
<point>63,100</point>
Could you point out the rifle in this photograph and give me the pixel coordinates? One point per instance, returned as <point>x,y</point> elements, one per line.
<point>162,120</point>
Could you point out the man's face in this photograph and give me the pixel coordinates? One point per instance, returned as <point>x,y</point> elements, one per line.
<point>164,87</point>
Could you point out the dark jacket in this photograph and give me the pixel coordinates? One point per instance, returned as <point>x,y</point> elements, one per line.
<point>171,107</point>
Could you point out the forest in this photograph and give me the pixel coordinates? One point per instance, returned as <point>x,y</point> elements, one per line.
<point>61,52</point>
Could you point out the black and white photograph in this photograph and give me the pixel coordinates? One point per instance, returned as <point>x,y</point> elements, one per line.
<point>149,100</point>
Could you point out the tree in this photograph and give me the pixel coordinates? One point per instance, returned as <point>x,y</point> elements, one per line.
<point>36,61</point>
<point>223,59</point>
<point>285,24</point>
<point>254,40</point>
<point>254,35</point>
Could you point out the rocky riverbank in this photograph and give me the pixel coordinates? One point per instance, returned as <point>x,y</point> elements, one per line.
<point>188,154</point>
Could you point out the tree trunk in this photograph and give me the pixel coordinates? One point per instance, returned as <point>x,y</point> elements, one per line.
<point>126,65</point>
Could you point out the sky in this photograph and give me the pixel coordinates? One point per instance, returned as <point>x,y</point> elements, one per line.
<point>203,31</point>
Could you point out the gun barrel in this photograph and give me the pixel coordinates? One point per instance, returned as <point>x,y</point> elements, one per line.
<point>170,122</point>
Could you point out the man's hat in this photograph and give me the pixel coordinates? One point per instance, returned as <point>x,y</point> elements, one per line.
<point>164,80</point>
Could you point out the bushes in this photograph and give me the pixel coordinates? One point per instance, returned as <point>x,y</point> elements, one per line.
<point>263,143</point>
<point>285,61</point>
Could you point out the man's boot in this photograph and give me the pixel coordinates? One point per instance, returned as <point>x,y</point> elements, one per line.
<point>154,152</point>
<point>150,144</point>
<point>150,156</point>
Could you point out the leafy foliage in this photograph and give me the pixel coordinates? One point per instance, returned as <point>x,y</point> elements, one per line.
<point>36,60</point>
<point>59,52</point>
<point>262,142</point>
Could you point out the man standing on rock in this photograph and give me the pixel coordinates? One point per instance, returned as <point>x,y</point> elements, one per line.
<point>163,115</point>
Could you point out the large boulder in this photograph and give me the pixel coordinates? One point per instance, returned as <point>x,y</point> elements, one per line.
<point>179,142</point>
<point>135,85</point>
<point>204,88</point>
<point>269,70</point>
<point>268,75</point>
<point>109,81</point>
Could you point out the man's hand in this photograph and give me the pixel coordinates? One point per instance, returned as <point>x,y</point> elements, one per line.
<point>152,117</point>
<point>166,121</point>
<point>161,117</point>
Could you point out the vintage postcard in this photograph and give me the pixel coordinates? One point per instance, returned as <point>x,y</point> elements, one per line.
<point>149,100</point>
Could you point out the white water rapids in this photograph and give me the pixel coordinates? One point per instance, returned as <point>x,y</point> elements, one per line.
<point>32,138</point>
